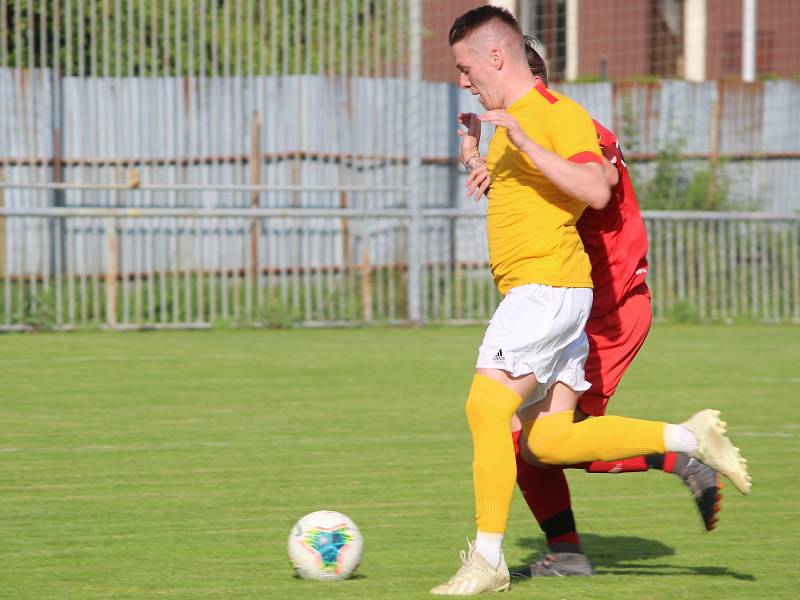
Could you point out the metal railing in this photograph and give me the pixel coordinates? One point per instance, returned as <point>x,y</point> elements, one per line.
<point>188,268</point>
<point>725,266</point>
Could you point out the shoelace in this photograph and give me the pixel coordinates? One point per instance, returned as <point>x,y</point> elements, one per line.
<point>465,562</point>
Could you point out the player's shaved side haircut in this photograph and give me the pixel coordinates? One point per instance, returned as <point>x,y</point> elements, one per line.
<point>477,18</point>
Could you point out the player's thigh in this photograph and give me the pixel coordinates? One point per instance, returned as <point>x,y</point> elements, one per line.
<point>559,397</point>
<point>523,385</point>
<point>614,342</point>
<point>530,332</point>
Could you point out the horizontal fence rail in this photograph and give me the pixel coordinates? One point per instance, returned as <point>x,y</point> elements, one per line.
<point>121,268</point>
<point>199,187</point>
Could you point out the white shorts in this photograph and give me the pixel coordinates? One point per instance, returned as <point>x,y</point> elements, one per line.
<point>539,329</point>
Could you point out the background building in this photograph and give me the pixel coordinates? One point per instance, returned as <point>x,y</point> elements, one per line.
<point>635,39</point>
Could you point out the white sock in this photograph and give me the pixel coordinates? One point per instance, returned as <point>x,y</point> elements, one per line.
<point>678,438</point>
<point>490,546</point>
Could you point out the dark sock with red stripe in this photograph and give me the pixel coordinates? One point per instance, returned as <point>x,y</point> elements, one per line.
<point>547,494</point>
<point>670,462</point>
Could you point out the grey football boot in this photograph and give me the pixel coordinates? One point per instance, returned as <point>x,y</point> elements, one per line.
<point>562,564</point>
<point>706,487</point>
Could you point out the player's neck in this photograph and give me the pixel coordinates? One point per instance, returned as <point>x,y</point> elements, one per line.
<point>517,87</point>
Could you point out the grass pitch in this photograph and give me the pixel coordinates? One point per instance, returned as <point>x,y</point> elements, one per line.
<point>172,465</point>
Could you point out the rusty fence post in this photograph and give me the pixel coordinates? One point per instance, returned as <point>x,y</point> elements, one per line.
<point>112,269</point>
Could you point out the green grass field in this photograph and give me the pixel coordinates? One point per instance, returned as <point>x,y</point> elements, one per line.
<point>172,465</point>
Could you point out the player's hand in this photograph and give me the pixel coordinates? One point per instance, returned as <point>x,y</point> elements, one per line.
<point>610,153</point>
<point>500,118</point>
<point>478,182</point>
<point>471,136</point>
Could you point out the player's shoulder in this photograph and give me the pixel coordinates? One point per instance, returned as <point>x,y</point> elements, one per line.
<point>563,108</point>
<point>544,97</point>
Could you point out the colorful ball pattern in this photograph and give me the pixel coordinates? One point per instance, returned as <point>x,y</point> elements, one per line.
<point>325,545</point>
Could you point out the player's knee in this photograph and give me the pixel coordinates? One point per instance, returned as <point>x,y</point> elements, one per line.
<point>479,409</point>
<point>549,439</point>
<point>527,456</point>
<point>542,452</point>
<point>483,408</point>
<point>490,404</point>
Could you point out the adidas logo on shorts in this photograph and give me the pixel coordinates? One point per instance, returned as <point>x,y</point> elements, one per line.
<point>499,356</point>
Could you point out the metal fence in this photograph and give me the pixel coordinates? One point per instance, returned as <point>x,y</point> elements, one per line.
<point>196,268</point>
<point>198,100</point>
<point>311,130</point>
<point>177,163</point>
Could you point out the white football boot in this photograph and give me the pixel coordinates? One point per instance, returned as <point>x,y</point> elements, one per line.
<point>715,450</point>
<point>475,576</point>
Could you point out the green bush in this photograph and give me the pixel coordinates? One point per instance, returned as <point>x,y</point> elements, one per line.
<point>677,186</point>
<point>152,38</point>
<point>676,183</point>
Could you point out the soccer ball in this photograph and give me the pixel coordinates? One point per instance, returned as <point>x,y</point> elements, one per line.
<point>325,545</point>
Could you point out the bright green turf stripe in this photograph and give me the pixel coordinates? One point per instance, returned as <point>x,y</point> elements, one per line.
<point>172,465</point>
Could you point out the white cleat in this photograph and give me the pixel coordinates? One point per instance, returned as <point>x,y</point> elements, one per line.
<point>475,576</point>
<point>715,450</point>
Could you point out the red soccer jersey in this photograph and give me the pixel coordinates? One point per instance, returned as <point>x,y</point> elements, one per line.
<point>614,238</point>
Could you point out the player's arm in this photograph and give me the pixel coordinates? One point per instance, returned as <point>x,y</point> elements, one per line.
<point>478,181</point>
<point>610,159</point>
<point>610,172</point>
<point>470,140</point>
<point>473,162</point>
<point>583,181</point>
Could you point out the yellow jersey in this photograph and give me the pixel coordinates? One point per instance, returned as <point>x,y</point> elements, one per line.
<point>530,223</point>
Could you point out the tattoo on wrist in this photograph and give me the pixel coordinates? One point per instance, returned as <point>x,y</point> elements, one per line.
<point>474,161</point>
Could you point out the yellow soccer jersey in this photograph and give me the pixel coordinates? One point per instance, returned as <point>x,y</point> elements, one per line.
<point>530,223</point>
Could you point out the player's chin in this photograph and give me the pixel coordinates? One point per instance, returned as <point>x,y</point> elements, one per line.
<point>487,103</point>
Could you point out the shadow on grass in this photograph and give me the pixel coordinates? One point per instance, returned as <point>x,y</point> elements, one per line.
<point>613,555</point>
<point>351,578</point>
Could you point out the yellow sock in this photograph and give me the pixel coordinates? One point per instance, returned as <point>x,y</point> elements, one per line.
<point>490,406</point>
<point>556,440</point>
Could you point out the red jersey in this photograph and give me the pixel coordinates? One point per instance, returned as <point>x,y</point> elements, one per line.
<point>615,237</point>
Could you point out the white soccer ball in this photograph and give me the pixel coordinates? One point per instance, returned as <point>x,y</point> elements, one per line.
<point>325,545</point>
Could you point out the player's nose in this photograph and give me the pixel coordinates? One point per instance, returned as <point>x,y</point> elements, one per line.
<point>464,81</point>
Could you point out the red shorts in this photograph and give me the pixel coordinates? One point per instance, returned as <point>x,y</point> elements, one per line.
<point>614,340</point>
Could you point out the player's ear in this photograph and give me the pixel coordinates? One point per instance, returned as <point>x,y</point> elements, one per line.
<point>497,58</point>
